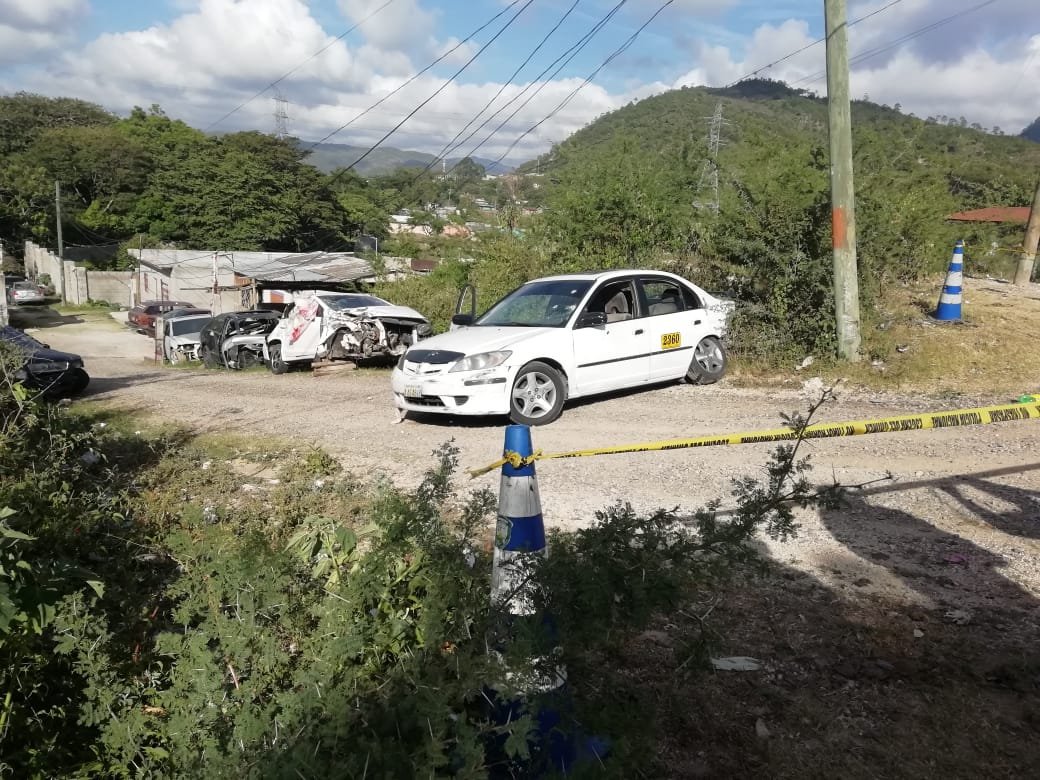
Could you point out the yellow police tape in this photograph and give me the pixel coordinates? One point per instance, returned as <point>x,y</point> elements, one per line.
<point>983,415</point>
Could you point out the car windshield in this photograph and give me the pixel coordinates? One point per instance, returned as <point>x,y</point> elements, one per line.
<point>187,326</point>
<point>547,304</point>
<point>351,301</point>
<point>24,286</point>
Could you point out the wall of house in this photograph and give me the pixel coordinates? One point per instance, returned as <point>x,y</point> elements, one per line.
<point>111,286</point>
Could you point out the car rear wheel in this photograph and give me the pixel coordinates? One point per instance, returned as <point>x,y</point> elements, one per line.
<point>538,395</point>
<point>276,364</point>
<point>709,362</point>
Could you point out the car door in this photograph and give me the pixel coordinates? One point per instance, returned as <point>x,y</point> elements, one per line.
<point>676,321</point>
<point>304,331</point>
<point>615,351</point>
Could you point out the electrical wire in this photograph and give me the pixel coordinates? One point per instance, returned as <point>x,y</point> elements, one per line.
<point>448,146</point>
<point>436,92</point>
<point>416,75</point>
<point>614,55</point>
<point>566,57</point>
<point>810,45</point>
<point>866,55</point>
<point>286,75</point>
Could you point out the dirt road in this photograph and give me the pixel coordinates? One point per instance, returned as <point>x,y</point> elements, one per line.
<point>962,512</point>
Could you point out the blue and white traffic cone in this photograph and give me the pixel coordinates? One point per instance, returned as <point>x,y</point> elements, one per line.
<point>519,542</point>
<point>949,308</point>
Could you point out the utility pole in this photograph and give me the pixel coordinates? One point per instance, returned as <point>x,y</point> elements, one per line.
<point>57,215</point>
<point>843,198</point>
<point>1025,262</point>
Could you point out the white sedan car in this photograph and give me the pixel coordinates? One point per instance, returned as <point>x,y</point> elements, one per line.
<point>565,337</point>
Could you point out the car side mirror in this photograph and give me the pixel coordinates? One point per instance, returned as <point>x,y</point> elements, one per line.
<point>591,319</point>
<point>462,320</point>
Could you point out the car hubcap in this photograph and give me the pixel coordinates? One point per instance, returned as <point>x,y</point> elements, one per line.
<point>709,356</point>
<point>534,394</point>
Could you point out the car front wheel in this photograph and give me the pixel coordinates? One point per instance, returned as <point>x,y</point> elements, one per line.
<point>538,395</point>
<point>276,364</point>
<point>709,362</point>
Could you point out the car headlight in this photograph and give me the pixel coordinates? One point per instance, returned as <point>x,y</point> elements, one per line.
<point>48,366</point>
<point>481,361</point>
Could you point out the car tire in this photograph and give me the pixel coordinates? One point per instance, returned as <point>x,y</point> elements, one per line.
<point>78,381</point>
<point>209,358</point>
<point>538,394</point>
<point>709,362</point>
<point>276,364</point>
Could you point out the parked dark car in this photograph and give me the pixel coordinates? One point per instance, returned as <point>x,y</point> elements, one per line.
<point>53,373</point>
<point>186,312</point>
<point>142,317</point>
<point>236,339</point>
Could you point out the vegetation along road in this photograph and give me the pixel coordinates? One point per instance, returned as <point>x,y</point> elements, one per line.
<point>949,482</point>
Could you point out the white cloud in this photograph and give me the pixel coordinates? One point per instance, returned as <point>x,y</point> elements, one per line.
<point>29,28</point>
<point>970,82</point>
<point>403,26</point>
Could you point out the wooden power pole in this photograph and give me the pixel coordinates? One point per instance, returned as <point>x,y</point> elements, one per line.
<point>57,217</point>
<point>1025,262</point>
<point>843,199</point>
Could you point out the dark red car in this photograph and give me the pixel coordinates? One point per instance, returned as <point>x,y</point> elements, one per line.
<point>142,317</point>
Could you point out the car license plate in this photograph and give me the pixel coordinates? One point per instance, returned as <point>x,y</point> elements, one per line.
<point>670,340</point>
<point>413,391</point>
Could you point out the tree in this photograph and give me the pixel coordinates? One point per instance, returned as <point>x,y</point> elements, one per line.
<point>467,172</point>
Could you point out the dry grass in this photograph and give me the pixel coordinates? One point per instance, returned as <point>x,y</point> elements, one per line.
<point>994,351</point>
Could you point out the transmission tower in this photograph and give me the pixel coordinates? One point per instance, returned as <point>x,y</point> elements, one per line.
<point>709,178</point>
<point>281,115</point>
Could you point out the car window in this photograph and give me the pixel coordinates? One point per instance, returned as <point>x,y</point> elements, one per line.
<point>545,304</point>
<point>664,296</point>
<point>616,299</point>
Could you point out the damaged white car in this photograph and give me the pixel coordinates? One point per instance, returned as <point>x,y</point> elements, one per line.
<point>342,326</point>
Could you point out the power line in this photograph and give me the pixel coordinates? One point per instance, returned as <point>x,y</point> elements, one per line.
<point>614,55</point>
<point>436,92</point>
<point>393,92</point>
<point>866,55</point>
<point>286,75</point>
<point>534,51</point>
<point>566,58</point>
<point>807,46</point>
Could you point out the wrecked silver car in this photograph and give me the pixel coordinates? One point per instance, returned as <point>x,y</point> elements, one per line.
<point>236,339</point>
<point>342,326</point>
<point>181,336</point>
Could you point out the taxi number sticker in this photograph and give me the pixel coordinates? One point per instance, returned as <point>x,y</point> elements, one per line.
<point>671,340</point>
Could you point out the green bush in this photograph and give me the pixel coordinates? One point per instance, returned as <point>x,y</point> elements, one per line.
<point>158,619</point>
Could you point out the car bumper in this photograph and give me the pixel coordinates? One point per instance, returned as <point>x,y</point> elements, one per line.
<point>466,393</point>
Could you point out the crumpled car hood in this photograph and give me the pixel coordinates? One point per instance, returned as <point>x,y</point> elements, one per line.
<point>376,312</point>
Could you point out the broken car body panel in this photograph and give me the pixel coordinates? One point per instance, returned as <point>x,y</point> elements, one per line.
<point>236,339</point>
<point>345,326</point>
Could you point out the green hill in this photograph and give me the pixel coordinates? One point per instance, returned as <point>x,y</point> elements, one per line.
<point>636,187</point>
<point>1032,132</point>
<point>384,160</point>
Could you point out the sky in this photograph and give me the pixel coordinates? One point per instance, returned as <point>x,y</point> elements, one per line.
<point>205,61</point>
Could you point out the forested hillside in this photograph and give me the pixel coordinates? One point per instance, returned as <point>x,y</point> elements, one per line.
<point>636,187</point>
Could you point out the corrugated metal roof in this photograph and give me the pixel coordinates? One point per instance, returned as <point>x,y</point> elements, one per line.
<point>263,266</point>
<point>993,214</point>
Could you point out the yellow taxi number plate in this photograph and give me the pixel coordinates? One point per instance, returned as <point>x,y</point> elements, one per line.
<point>670,340</point>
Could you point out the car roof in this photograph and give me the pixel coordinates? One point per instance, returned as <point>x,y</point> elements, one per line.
<point>611,274</point>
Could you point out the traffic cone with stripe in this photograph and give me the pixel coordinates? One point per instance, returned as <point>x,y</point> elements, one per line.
<point>949,308</point>
<point>519,542</point>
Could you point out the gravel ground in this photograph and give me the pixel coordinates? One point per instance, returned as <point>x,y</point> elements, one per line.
<point>957,527</point>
